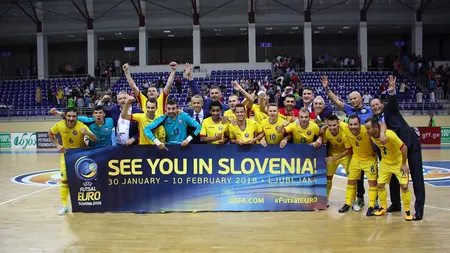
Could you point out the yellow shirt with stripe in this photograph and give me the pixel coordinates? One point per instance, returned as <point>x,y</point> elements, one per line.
<point>142,121</point>
<point>336,142</point>
<point>71,137</point>
<point>390,152</point>
<point>271,130</point>
<point>360,144</point>
<point>162,100</point>
<point>301,135</point>
<point>211,129</point>
<point>252,129</point>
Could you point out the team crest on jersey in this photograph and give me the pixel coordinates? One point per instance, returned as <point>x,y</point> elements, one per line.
<point>308,133</point>
<point>220,128</point>
<point>339,140</point>
<point>106,129</point>
<point>180,121</point>
<point>247,135</point>
<point>359,138</point>
<point>434,173</point>
<point>75,132</point>
<point>277,127</point>
<point>363,111</point>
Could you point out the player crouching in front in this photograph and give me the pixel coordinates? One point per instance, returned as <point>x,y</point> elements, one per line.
<point>394,155</point>
<point>72,133</point>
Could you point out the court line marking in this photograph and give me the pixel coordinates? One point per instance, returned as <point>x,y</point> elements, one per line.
<point>27,195</point>
<point>434,207</point>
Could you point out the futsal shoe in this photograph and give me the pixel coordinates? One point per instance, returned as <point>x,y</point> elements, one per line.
<point>393,208</point>
<point>408,216</point>
<point>356,206</point>
<point>345,208</point>
<point>380,212</point>
<point>63,210</point>
<point>361,202</point>
<point>370,211</point>
<point>417,216</point>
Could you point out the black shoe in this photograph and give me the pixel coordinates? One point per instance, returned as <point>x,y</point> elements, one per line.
<point>393,208</point>
<point>370,211</point>
<point>417,217</point>
<point>345,208</point>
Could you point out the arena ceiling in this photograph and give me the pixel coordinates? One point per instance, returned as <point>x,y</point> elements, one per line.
<point>117,19</point>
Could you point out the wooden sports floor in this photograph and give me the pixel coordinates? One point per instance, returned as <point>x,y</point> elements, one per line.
<point>29,223</point>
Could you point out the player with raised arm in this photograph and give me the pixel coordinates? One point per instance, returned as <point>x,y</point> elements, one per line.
<point>233,100</point>
<point>175,124</point>
<point>152,92</point>
<point>214,131</point>
<point>394,156</point>
<point>364,159</point>
<point>270,127</point>
<point>143,119</point>
<point>245,131</point>
<point>72,133</point>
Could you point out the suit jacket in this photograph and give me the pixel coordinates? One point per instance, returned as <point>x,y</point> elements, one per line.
<point>206,101</point>
<point>114,113</point>
<point>190,130</point>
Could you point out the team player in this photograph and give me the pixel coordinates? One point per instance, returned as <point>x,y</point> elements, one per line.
<point>175,125</point>
<point>335,138</point>
<point>364,159</point>
<point>245,131</point>
<point>270,127</point>
<point>233,100</point>
<point>143,119</point>
<point>393,162</point>
<point>303,130</point>
<point>72,133</point>
<point>214,131</point>
<point>102,127</point>
<point>152,92</point>
<point>289,111</point>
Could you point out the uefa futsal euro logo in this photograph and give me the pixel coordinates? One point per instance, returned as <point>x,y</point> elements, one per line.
<point>86,169</point>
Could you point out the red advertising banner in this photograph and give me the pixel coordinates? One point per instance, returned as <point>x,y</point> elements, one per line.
<point>430,135</point>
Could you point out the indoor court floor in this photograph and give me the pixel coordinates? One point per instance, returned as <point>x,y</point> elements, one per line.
<point>29,223</point>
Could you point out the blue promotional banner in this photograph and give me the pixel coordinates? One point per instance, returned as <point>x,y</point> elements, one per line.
<point>197,178</point>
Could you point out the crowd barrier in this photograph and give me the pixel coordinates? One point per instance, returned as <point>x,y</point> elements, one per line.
<point>197,178</point>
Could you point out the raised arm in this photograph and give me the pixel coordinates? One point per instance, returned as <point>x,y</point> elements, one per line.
<point>247,96</point>
<point>331,95</point>
<point>173,70</point>
<point>130,80</point>
<point>124,114</point>
<point>194,88</point>
<point>392,98</point>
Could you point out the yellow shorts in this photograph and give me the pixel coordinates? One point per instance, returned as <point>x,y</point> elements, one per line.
<point>62,164</point>
<point>387,170</point>
<point>332,167</point>
<point>369,166</point>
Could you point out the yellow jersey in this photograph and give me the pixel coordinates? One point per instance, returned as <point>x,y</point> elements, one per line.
<point>71,137</point>
<point>258,115</point>
<point>361,143</point>
<point>271,130</point>
<point>391,152</point>
<point>162,100</point>
<point>336,143</point>
<point>142,121</point>
<point>211,129</point>
<point>252,129</point>
<point>303,135</point>
<point>231,115</point>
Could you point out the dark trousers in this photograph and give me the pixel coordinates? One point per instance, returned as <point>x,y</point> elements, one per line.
<point>416,168</point>
<point>360,191</point>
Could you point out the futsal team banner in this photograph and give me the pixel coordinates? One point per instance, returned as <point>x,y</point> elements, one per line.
<point>197,178</point>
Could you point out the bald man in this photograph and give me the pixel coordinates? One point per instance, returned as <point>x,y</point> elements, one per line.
<point>363,112</point>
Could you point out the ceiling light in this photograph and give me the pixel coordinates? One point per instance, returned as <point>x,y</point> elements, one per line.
<point>339,31</point>
<point>70,36</point>
<point>171,35</point>
<point>218,34</point>
<point>243,29</point>
<point>316,31</point>
<point>346,27</point>
<point>167,31</point>
<point>320,27</point>
<point>269,28</point>
<point>217,30</point>
<point>291,32</point>
<point>118,34</point>
<point>295,28</point>
<point>243,33</point>
<point>101,38</point>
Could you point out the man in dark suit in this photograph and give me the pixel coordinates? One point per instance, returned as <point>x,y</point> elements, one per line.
<point>126,131</point>
<point>393,119</point>
<point>214,92</point>
<point>197,113</point>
